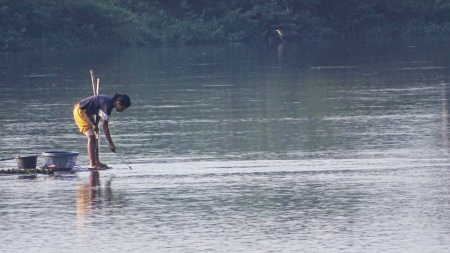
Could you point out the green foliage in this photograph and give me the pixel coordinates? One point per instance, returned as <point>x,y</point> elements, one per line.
<point>68,23</point>
<point>101,22</point>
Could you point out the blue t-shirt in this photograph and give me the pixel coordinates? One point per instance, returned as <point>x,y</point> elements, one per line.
<point>100,105</point>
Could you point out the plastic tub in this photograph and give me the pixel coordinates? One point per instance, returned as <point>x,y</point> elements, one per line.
<point>60,160</point>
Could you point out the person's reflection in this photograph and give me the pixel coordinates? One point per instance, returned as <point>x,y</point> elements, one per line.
<point>280,54</point>
<point>90,194</point>
<point>87,192</point>
<point>94,182</point>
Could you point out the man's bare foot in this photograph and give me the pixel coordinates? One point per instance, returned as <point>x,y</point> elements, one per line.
<point>102,165</point>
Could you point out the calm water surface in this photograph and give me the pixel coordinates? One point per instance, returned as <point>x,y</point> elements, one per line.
<point>301,147</point>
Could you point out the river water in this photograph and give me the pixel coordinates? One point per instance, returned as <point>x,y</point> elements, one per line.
<point>298,147</point>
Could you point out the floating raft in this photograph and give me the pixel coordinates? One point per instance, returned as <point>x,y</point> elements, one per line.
<point>46,171</point>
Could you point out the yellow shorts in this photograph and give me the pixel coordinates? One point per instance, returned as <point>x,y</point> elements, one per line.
<point>82,121</point>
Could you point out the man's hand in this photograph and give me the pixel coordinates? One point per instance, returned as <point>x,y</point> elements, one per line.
<point>95,128</point>
<point>112,147</point>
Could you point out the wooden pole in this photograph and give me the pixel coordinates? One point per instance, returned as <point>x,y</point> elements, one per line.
<point>98,85</point>
<point>92,81</point>
<point>98,138</point>
<point>95,91</point>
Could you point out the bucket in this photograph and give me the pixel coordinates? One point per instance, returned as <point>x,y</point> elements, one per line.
<point>60,160</point>
<point>26,162</point>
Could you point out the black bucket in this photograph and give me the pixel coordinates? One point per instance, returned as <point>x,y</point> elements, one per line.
<point>27,162</point>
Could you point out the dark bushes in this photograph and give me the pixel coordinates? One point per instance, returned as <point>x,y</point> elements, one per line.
<point>68,23</point>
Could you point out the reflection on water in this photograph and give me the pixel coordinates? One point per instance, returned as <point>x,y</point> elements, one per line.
<point>91,195</point>
<point>295,147</point>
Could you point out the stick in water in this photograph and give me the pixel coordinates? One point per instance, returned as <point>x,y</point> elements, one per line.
<point>92,81</point>
<point>121,158</point>
<point>98,139</point>
<point>95,91</point>
<point>98,85</point>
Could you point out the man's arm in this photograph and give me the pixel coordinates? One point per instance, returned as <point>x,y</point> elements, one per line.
<point>108,136</point>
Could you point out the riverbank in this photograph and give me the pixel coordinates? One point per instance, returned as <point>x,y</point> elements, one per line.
<point>68,24</point>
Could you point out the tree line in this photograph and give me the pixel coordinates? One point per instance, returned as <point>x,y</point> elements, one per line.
<point>68,23</point>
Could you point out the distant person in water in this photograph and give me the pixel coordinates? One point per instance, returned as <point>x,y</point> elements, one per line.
<point>87,114</point>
